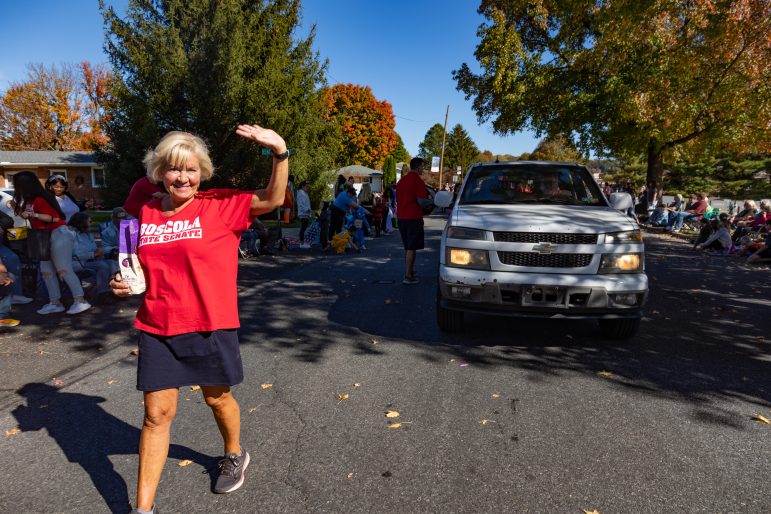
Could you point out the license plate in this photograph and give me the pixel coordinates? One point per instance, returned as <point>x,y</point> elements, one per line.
<point>543,295</point>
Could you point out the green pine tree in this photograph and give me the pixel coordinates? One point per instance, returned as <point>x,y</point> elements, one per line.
<point>204,66</point>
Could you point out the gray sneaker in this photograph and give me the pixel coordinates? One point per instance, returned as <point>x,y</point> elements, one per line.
<point>154,510</point>
<point>231,475</point>
<point>410,280</point>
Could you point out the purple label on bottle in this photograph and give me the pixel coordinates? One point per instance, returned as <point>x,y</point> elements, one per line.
<point>128,237</point>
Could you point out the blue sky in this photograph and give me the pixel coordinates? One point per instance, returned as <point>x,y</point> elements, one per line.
<point>404,50</point>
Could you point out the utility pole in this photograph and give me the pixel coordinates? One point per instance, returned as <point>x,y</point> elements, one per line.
<point>444,136</point>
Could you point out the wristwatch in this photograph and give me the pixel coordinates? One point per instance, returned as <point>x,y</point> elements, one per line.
<point>281,156</point>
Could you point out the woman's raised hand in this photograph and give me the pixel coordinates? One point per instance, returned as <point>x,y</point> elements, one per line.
<point>263,137</point>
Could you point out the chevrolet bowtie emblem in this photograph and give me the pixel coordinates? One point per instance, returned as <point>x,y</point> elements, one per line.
<point>544,248</point>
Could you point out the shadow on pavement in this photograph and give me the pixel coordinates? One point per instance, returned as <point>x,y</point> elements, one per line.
<point>88,436</point>
<point>706,335</point>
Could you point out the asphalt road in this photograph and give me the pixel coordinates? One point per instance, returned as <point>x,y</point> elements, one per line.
<point>511,416</point>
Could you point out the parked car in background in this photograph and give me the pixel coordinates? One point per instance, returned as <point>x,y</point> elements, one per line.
<point>539,239</point>
<point>6,195</point>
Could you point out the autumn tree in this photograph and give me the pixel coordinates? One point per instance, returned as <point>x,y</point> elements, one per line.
<point>631,78</point>
<point>204,66</point>
<point>95,82</point>
<point>460,149</point>
<point>43,112</point>
<point>366,124</point>
<point>556,148</point>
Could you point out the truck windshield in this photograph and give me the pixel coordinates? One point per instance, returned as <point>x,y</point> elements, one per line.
<point>531,183</point>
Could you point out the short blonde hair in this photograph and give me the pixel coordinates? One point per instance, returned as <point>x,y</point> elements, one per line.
<point>174,149</point>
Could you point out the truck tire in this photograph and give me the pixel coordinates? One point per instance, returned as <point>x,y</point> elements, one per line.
<point>448,320</point>
<point>619,328</point>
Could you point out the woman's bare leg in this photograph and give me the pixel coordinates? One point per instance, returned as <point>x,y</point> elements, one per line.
<point>160,409</point>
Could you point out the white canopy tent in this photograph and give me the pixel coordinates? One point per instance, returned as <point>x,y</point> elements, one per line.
<point>363,174</point>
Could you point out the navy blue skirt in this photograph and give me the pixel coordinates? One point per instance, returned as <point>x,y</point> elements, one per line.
<point>197,358</point>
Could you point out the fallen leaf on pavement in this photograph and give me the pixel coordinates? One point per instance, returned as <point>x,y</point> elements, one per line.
<point>12,431</point>
<point>135,351</point>
<point>253,409</point>
<point>761,418</point>
<point>392,414</point>
<point>184,463</point>
<point>342,397</point>
<point>41,352</point>
<point>605,374</point>
<point>374,341</point>
<point>110,382</point>
<point>349,475</point>
<point>591,512</point>
<point>266,386</point>
<point>357,384</point>
<point>485,421</point>
<point>395,425</point>
<point>195,388</point>
<point>495,396</point>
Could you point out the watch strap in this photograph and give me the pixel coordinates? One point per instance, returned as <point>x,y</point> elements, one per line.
<point>281,156</point>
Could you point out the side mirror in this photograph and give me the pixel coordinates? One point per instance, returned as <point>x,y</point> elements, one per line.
<point>443,199</point>
<point>621,201</point>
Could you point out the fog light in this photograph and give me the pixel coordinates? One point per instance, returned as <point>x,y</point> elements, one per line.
<point>460,292</point>
<point>625,299</point>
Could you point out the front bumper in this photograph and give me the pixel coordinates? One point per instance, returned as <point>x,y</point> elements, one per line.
<point>542,295</point>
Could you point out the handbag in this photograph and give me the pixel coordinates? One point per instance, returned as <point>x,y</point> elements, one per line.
<point>39,245</point>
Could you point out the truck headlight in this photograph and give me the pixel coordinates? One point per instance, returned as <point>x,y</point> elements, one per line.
<point>468,258</point>
<point>621,263</point>
<point>632,236</point>
<point>465,233</point>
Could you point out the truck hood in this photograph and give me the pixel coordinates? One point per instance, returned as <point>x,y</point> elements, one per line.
<point>566,219</point>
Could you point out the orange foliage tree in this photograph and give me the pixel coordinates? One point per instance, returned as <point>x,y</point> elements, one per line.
<point>366,125</point>
<point>55,108</point>
<point>95,84</point>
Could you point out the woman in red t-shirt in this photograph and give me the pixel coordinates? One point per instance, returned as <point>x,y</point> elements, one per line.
<point>40,207</point>
<point>188,320</point>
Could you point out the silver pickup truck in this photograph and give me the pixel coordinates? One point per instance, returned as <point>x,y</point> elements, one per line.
<point>539,239</point>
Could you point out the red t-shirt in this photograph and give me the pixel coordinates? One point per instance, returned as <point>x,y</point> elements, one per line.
<point>141,193</point>
<point>409,188</point>
<point>40,206</point>
<point>699,206</point>
<point>190,262</point>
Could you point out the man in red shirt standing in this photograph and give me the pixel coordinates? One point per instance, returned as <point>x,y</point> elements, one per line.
<point>410,195</point>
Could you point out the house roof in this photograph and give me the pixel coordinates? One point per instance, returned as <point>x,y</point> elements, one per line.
<point>43,158</point>
<point>356,170</point>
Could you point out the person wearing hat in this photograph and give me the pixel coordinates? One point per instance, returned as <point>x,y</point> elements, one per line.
<point>110,233</point>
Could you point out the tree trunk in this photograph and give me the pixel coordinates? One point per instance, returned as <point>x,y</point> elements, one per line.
<point>655,172</point>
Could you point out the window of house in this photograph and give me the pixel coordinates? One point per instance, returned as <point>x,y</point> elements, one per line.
<point>63,173</point>
<point>97,178</point>
<point>9,177</point>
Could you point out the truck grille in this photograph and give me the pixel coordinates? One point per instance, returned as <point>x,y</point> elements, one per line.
<point>538,237</point>
<point>554,260</point>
